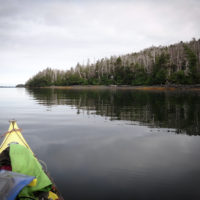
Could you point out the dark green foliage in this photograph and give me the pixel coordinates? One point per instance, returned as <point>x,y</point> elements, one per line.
<point>128,75</point>
<point>20,85</point>
<point>74,79</point>
<point>160,77</point>
<point>38,82</point>
<point>106,80</point>
<point>140,76</point>
<point>179,78</point>
<point>119,72</point>
<point>192,60</point>
<point>159,72</point>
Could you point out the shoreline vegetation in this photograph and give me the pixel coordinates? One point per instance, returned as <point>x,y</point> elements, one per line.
<point>127,87</point>
<point>173,66</point>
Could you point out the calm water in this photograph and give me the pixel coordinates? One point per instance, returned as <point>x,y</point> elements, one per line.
<point>112,144</point>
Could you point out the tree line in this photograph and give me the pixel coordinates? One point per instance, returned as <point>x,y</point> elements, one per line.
<point>174,64</point>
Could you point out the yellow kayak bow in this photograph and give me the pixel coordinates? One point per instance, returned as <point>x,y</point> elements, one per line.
<point>13,135</point>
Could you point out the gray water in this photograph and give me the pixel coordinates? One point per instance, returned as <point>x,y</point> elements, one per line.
<point>112,144</point>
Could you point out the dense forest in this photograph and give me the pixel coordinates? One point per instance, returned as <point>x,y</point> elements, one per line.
<point>175,64</point>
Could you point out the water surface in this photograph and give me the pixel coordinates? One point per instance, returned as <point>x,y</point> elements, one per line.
<point>112,144</point>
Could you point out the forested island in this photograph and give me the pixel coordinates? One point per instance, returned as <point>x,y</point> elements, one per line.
<point>164,65</point>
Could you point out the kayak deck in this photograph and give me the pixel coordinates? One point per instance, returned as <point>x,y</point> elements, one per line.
<point>14,135</point>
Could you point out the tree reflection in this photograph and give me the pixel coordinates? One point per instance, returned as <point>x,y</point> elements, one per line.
<point>179,110</point>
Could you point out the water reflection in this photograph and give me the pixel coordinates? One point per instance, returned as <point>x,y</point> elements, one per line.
<point>179,110</point>
<point>91,157</point>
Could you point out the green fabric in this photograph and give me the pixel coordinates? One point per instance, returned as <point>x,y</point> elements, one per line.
<point>23,162</point>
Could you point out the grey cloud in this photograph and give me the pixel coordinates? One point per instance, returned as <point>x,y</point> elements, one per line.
<point>37,34</point>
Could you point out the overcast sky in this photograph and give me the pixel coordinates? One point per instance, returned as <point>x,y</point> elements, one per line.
<point>36,34</point>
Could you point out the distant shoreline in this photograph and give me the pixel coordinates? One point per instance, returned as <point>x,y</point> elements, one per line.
<point>7,86</point>
<point>151,88</point>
